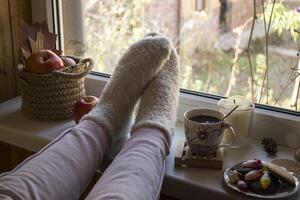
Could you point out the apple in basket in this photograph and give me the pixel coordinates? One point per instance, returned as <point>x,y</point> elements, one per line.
<point>43,61</point>
<point>83,106</point>
<point>68,61</point>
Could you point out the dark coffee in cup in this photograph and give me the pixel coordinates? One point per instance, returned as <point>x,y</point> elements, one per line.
<point>204,130</point>
<point>204,119</point>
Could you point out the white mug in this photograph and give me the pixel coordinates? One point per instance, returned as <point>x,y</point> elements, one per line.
<point>205,138</point>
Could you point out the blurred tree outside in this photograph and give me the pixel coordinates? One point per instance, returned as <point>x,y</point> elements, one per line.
<point>209,41</point>
<point>110,28</point>
<point>210,68</point>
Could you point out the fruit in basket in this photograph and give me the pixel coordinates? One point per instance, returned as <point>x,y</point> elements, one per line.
<point>43,61</point>
<point>83,106</point>
<point>35,38</point>
<point>68,61</point>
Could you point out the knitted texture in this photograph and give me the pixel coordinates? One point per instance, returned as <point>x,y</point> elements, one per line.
<point>52,96</point>
<point>158,104</point>
<point>140,63</point>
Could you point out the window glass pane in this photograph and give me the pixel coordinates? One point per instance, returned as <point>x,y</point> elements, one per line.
<point>211,36</point>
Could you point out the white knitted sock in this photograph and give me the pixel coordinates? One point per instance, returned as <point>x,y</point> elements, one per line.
<point>137,67</point>
<point>158,104</point>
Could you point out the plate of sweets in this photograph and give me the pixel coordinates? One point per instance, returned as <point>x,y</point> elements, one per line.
<point>261,179</point>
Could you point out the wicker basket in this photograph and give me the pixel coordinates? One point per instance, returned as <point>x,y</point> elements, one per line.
<point>52,96</point>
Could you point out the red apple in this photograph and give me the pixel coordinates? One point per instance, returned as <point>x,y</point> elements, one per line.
<point>43,61</point>
<point>68,61</point>
<point>83,106</point>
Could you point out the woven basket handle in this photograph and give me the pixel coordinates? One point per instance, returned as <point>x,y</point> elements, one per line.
<point>89,64</point>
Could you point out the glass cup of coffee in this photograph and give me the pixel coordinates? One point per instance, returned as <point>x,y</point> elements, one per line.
<point>204,130</point>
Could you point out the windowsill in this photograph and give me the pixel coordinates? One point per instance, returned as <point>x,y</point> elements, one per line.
<point>284,128</point>
<point>15,129</point>
<point>182,183</point>
<point>193,183</point>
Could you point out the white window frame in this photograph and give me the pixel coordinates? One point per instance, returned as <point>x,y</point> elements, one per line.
<point>283,127</point>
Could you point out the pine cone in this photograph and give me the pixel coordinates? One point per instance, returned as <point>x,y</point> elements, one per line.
<point>270,145</point>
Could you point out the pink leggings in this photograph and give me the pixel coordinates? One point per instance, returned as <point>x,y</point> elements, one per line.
<point>63,168</point>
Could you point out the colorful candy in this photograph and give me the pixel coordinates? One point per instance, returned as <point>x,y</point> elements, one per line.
<point>244,170</point>
<point>261,178</point>
<point>281,173</point>
<point>265,181</point>
<point>242,185</point>
<point>233,176</point>
<point>255,164</point>
<point>253,175</point>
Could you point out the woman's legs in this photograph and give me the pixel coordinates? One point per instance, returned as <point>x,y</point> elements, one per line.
<point>62,169</point>
<point>137,171</point>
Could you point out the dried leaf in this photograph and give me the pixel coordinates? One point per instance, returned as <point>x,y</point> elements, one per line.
<point>33,45</point>
<point>37,37</point>
<point>40,40</point>
<point>50,42</point>
<point>57,52</point>
<point>49,38</point>
<point>26,32</point>
<point>25,53</point>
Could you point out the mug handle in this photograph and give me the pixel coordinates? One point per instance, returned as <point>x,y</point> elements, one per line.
<point>233,134</point>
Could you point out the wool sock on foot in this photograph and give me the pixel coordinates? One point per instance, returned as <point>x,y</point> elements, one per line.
<point>158,104</point>
<point>136,68</point>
